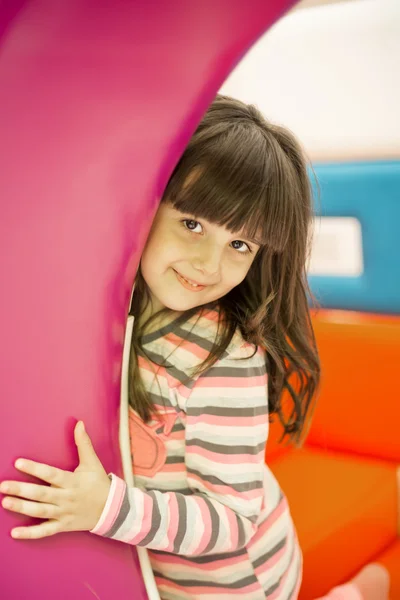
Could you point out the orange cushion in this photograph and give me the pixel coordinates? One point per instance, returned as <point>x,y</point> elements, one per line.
<point>358,409</point>
<point>345,511</point>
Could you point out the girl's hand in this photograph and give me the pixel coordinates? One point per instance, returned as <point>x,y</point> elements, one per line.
<point>72,502</point>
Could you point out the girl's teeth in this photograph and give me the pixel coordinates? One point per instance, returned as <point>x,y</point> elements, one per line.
<point>190,283</point>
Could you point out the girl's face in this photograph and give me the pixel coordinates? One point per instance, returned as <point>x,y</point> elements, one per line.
<point>188,262</point>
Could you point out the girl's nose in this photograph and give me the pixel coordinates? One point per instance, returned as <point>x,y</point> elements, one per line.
<point>207,260</point>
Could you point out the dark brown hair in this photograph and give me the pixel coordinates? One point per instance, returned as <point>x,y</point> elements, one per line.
<point>252,174</point>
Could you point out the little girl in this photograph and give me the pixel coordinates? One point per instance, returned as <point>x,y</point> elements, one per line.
<point>222,330</point>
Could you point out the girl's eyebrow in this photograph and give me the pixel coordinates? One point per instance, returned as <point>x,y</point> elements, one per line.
<point>253,240</point>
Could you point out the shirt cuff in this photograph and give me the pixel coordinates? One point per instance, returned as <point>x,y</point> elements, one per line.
<point>112,506</point>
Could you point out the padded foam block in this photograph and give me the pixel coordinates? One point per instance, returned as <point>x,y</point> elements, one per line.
<point>358,408</point>
<point>345,510</point>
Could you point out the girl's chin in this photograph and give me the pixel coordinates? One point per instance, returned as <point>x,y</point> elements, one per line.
<point>180,306</point>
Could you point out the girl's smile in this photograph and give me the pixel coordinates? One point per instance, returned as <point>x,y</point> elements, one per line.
<point>189,284</point>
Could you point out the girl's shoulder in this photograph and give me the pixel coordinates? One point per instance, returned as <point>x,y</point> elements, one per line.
<point>186,344</point>
<point>238,348</point>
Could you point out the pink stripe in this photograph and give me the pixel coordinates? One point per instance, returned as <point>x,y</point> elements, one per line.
<point>233,528</point>
<point>211,315</point>
<point>276,593</point>
<point>152,368</point>
<point>173,522</point>
<point>177,435</point>
<point>221,421</point>
<point>179,468</point>
<point>194,349</point>
<point>112,506</point>
<point>146,523</point>
<point>183,390</point>
<point>272,561</point>
<point>207,589</point>
<point>231,382</point>
<point>234,459</point>
<point>297,587</point>
<point>267,524</point>
<point>175,383</point>
<point>206,520</point>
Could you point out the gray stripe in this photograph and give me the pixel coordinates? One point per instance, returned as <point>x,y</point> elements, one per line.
<point>239,487</point>
<point>174,460</point>
<point>273,587</point>
<point>181,376</point>
<point>159,488</point>
<point>122,515</point>
<point>179,426</point>
<point>175,324</point>
<point>219,411</point>
<point>265,557</point>
<point>155,521</point>
<point>193,338</point>
<point>214,526</point>
<point>232,372</point>
<point>234,585</point>
<point>220,449</point>
<point>204,560</point>
<point>180,534</point>
<point>160,400</point>
<point>151,337</point>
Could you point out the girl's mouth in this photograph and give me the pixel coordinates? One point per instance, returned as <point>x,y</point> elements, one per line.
<point>188,284</point>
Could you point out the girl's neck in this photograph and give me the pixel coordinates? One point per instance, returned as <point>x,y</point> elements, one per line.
<point>153,317</point>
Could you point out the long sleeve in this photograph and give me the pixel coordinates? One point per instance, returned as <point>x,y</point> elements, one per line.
<point>226,432</point>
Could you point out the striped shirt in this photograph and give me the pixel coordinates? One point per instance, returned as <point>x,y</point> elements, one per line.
<point>211,514</point>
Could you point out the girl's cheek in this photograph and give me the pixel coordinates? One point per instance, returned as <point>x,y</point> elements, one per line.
<point>239,271</point>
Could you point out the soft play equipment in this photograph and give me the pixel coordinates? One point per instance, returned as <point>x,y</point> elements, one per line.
<point>97,102</point>
<point>343,485</point>
<point>370,193</point>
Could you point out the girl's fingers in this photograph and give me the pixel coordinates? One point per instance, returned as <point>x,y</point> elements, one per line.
<point>31,491</point>
<point>37,531</point>
<point>52,475</point>
<point>31,509</point>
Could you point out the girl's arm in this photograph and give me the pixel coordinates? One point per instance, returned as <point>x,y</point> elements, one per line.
<point>226,432</point>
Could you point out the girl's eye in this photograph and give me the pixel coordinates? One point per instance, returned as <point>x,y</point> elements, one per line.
<point>241,247</point>
<point>192,225</point>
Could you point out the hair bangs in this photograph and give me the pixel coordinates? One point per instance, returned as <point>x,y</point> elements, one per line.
<point>237,185</point>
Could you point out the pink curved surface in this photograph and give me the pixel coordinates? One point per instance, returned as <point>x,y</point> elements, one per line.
<point>97,101</point>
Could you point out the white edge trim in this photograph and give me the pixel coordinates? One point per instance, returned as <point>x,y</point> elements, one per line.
<point>124,445</point>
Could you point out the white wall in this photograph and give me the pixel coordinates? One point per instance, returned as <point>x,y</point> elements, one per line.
<point>330,73</point>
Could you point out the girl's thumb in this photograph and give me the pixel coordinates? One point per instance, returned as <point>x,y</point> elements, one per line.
<point>84,444</point>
